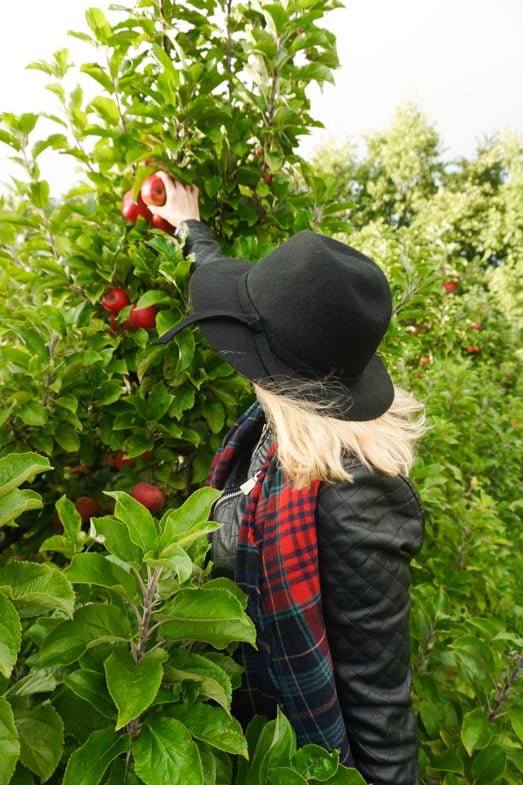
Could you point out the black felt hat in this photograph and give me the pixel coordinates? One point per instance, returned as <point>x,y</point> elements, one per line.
<point>313,308</point>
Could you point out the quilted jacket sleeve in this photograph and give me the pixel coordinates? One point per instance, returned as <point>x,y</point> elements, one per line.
<point>368,531</point>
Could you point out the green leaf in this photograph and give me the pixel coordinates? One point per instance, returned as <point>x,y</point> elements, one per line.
<point>117,540</point>
<point>36,587</point>
<point>189,521</point>
<point>91,687</point>
<point>33,413</point>
<point>176,559</point>
<point>88,764</point>
<point>40,196</point>
<point>133,685</point>
<point>17,468</point>
<point>10,636</point>
<point>139,521</point>
<point>214,682</point>
<point>39,680</point>
<point>106,108</point>
<point>488,765</point>
<point>515,714</point>
<point>98,23</point>
<point>67,438</point>
<point>226,583</point>
<point>80,718</point>
<point>213,725</point>
<point>313,762</point>
<point>215,617</point>
<point>9,743</point>
<point>70,518</point>
<point>165,754</point>
<point>94,568</point>
<point>16,502</point>
<point>92,624</point>
<point>345,776</point>
<point>474,730</point>
<point>282,775</point>
<point>41,734</point>
<point>275,746</point>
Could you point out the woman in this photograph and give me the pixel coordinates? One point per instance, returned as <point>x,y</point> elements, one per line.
<point>320,522</point>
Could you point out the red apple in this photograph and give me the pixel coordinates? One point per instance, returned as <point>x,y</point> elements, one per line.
<point>87,507</point>
<point>114,300</point>
<point>153,190</point>
<point>473,349</point>
<point>450,286</point>
<point>160,223</point>
<point>477,326</point>
<point>149,495</point>
<point>142,317</point>
<point>268,179</point>
<point>132,210</point>
<point>118,460</point>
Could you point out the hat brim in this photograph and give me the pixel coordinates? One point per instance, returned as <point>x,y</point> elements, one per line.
<point>216,285</point>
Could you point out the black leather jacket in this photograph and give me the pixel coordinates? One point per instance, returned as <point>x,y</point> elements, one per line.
<point>368,530</point>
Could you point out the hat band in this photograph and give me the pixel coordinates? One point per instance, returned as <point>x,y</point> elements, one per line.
<point>252,320</point>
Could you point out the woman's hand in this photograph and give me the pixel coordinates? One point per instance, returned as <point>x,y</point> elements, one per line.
<point>181,203</point>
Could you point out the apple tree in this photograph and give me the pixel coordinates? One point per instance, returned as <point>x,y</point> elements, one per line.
<point>215,93</point>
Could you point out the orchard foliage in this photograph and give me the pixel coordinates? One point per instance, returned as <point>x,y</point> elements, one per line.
<point>214,93</point>
<point>450,238</point>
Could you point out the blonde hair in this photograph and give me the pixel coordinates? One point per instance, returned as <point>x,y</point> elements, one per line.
<point>313,445</point>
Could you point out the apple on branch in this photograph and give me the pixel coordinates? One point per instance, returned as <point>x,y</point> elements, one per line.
<point>153,191</point>
<point>152,497</point>
<point>132,210</point>
<point>142,317</point>
<point>114,300</point>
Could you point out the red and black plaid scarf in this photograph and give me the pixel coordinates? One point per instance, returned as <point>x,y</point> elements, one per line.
<point>277,567</point>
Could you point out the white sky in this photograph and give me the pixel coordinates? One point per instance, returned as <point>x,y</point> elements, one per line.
<point>460,60</point>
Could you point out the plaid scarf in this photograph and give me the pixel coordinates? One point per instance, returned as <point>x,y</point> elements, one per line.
<point>277,567</point>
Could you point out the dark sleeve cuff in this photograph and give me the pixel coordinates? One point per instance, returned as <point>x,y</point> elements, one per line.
<point>200,241</point>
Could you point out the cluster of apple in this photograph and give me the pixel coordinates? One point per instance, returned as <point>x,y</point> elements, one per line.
<point>152,192</point>
<point>115,300</point>
<point>152,497</point>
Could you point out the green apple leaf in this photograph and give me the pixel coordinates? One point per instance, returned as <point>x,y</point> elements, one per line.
<point>165,754</point>
<point>9,742</point>
<point>70,518</point>
<point>117,540</point>
<point>214,682</point>
<point>96,569</point>
<point>88,763</point>
<point>189,521</point>
<point>216,617</point>
<point>133,685</point>
<point>10,636</point>
<point>92,625</point>
<point>213,725</point>
<point>91,687</point>
<point>489,765</point>
<point>474,730</point>
<point>139,521</point>
<point>18,468</point>
<point>34,588</point>
<point>313,762</point>
<point>14,503</point>
<point>41,734</point>
<point>283,775</point>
